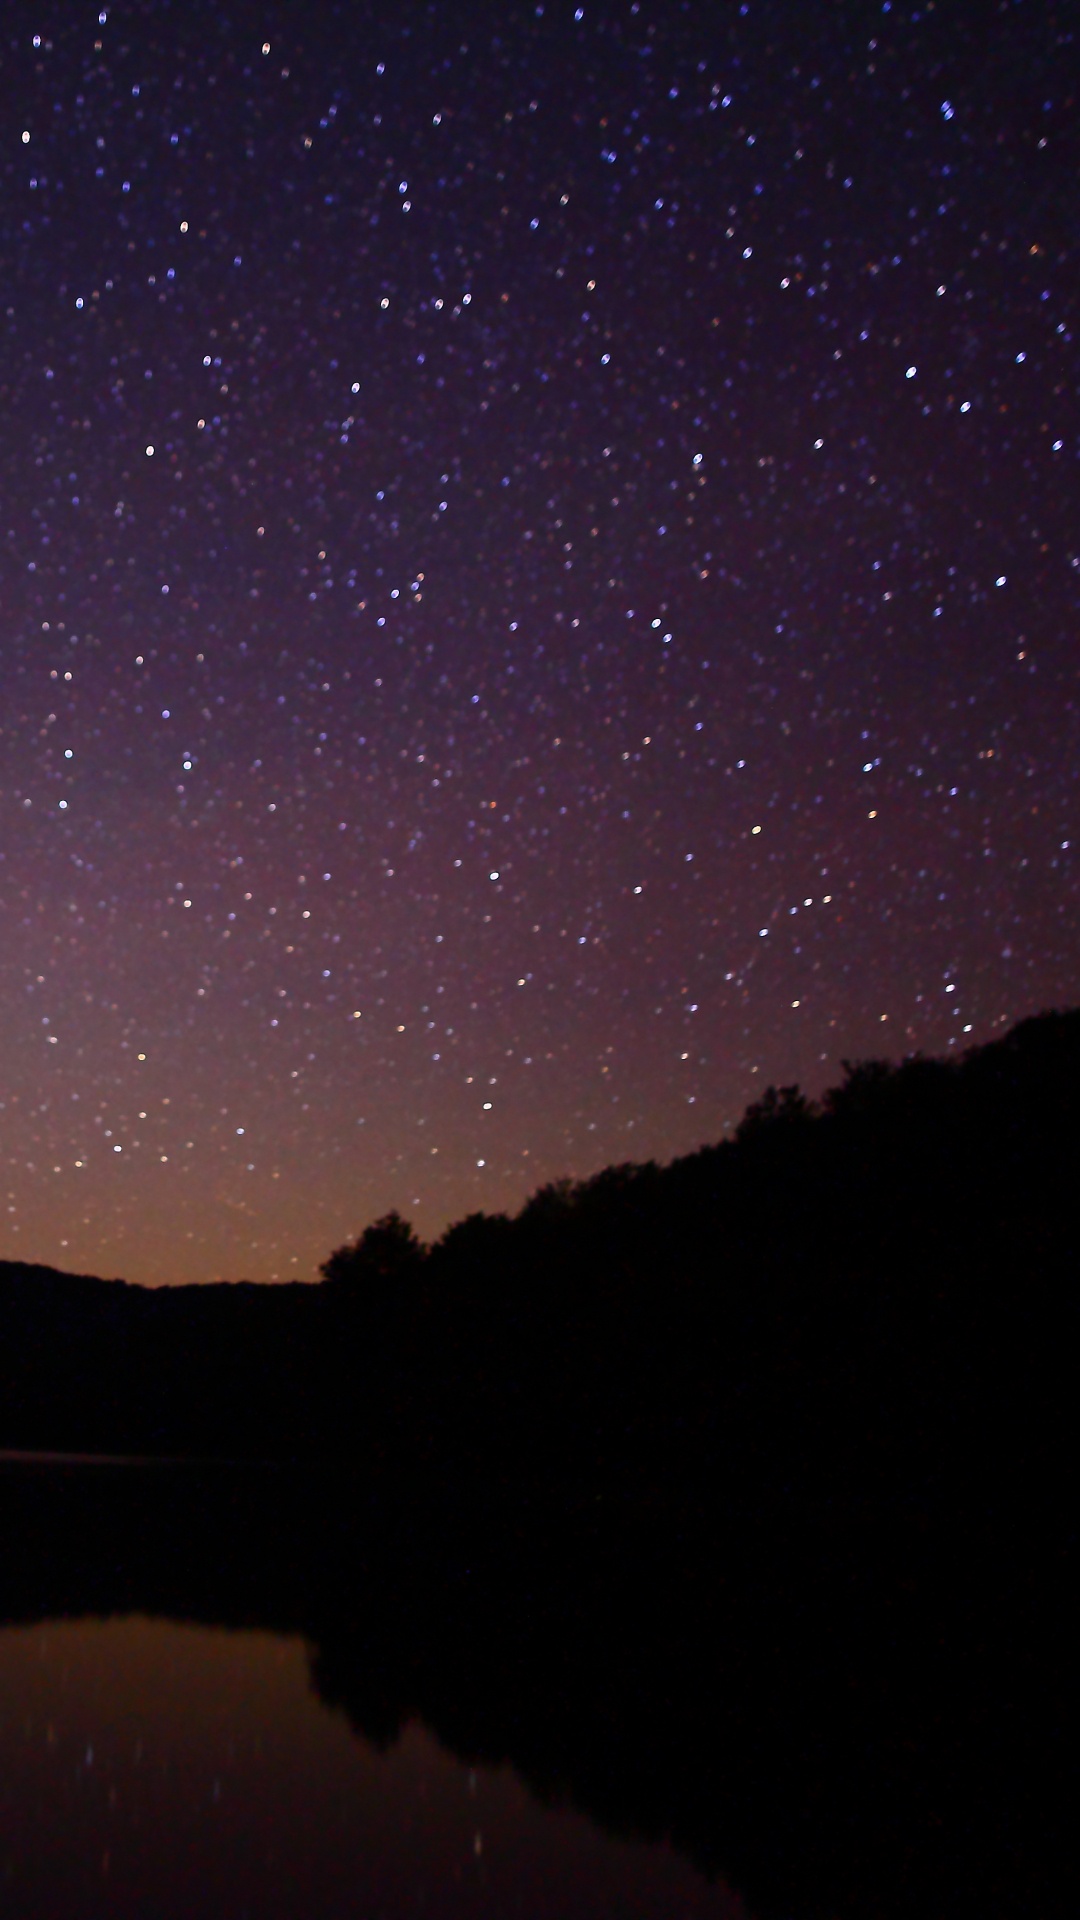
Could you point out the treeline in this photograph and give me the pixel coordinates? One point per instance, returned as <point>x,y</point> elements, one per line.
<point>731,1499</point>
<point>869,1293</point>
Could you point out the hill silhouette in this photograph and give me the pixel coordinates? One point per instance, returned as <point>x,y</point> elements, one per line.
<point>840,1287</point>
<point>731,1500</point>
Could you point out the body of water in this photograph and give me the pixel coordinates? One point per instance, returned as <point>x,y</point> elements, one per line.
<point>151,1768</point>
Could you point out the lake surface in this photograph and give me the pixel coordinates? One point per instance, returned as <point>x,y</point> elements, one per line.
<point>160,1769</point>
<point>278,1690</point>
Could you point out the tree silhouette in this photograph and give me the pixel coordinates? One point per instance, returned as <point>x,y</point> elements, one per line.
<point>778,1107</point>
<point>387,1250</point>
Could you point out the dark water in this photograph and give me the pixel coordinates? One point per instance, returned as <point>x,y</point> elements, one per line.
<point>154,1768</point>
<point>269,1691</point>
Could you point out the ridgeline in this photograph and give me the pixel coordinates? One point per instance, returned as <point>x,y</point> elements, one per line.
<point>876,1289</point>
<point>730,1500</point>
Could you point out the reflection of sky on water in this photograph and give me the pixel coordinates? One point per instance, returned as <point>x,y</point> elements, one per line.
<point>149,1768</point>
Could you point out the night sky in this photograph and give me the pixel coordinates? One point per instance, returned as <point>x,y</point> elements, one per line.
<point>539,570</point>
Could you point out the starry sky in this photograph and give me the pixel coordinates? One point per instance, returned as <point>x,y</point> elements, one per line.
<point>539,568</point>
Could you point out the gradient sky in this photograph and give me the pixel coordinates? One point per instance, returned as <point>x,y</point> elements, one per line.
<point>539,564</point>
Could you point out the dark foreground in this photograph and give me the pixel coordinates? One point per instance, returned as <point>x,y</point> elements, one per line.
<point>836,1711</point>
<point>731,1501</point>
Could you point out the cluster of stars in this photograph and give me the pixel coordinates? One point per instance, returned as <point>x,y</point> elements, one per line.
<point>539,592</point>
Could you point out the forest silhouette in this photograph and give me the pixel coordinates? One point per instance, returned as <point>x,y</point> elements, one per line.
<point>730,1499</point>
<point>887,1267</point>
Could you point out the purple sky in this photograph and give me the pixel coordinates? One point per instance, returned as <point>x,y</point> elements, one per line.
<point>539,568</point>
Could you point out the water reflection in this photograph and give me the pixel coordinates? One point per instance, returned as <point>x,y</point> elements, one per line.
<point>149,1767</point>
<point>841,1716</point>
